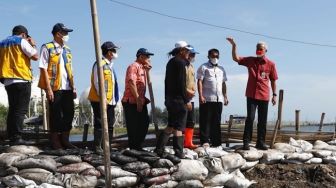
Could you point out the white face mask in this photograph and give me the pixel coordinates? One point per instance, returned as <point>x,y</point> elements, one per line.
<point>115,55</point>
<point>65,38</point>
<point>214,61</point>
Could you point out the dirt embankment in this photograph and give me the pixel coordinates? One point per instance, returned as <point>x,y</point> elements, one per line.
<point>292,175</point>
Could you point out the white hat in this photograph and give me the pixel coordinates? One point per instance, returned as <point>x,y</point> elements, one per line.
<point>183,44</point>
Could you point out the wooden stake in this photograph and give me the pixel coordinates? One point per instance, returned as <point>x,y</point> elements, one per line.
<point>278,122</point>
<point>297,121</point>
<point>151,95</point>
<point>108,178</point>
<point>321,122</point>
<point>44,111</point>
<point>229,131</point>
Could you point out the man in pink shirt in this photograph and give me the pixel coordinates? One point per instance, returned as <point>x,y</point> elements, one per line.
<point>134,100</point>
<point>261,72</point>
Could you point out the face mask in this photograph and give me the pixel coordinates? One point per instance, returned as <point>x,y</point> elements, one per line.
<point>115,55</point>
<point>260,53</point>
<point>214,61</point>
<point>65,38</point>
<point>192,60</point>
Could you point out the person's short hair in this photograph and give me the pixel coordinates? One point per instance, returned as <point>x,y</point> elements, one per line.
<point>19,29</point>
<point>213,50</point>
<point>262,43</point>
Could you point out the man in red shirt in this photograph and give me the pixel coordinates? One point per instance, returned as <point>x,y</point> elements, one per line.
<point>261,72</point>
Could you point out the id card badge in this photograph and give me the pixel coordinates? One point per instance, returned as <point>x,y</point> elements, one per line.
<point>263,75</point>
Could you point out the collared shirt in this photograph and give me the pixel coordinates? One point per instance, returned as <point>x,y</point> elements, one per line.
<point>96,84</point>
<point>44,61</point>
<point>212,79</point>
<point>29,51</point>
<point>136,74</point>
<point>260,72</point>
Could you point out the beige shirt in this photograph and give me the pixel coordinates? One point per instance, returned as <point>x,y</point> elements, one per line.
<point>190,79</point>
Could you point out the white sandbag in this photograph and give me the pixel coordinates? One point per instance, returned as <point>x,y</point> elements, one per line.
<point>47,185</point>
<point>330,160</point>
<point>321,153</point>
<point>318,144</point>
<point>249,165</point>
<point>28,150</point>
<point>314,160</point>
<point>190,170</point>
<point>211,151</point>
<point>124,181</point>
<point>41,162</point>
<point>232,161</point>
<point>17,181</point>
<point>213,164</point>
<point>331,148</point>
<point>190,184</point>
<point>302,144</point>
<point>332,142</point>
<point>157,180</point>
<point>79,181</point>
<point>299,156</point>
<point>272,156</point>
<point>169,184</point>
<point>116,172</point>
<point>7,159</point>
<point>74,168</point>
<point>284,147</point>
<point>238,180</point>
<point>217,179</point>
<point>251,155</point>
<point>190,154</point>
<point>39,176</point>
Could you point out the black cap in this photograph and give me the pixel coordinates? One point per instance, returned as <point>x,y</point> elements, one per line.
<point>143,51</point>
<point>17,30</point>
<point>108,45</point>
<point>59,27</point>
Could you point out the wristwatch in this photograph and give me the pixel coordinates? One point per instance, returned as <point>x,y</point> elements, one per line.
<point>274,94</point>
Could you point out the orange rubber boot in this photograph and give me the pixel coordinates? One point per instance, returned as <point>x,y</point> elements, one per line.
<point>188,138</point>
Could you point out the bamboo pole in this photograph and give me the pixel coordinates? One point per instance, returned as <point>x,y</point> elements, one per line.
<point>321,122</point>
<point>108,178</point>
<point>278,122</point>
<point>229,131</point>
<point>151,95</point>
<point>297,121</point>
<point>44,111</point>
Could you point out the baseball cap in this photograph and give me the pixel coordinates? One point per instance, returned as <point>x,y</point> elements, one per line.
<point>60,27</point>
<point>192,50</point>
<point>182,44</point>
<point>17,30</point>
<point>108,45</point>
<point>143,51</point>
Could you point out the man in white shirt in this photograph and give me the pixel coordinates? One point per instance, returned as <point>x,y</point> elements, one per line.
<point>16,51</point>
<point>211,79</point>
<point>56,79</point>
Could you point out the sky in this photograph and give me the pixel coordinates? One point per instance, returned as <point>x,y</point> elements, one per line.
<point>306,72</point>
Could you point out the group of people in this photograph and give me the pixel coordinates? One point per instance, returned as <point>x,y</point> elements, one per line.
<point>181,83</point>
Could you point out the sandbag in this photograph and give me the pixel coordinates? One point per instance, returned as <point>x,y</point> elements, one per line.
<point>217,179</point>
<point>232,161</point>
<point>238,180</point>
<point>135,166</point>
<point>190,154</point>
<point>190,184</point>
<point>7,159</point>
<point>17,181</point>
<point>116,172</point>
<point>91,172</point>
<point>213,164</point>
<point>272,157</point>
<point>332,142</point>
<point>157,180</point>
<point>320,145</point>
<point>28,150</point>
<point>302,144</point>
<point>122,159</point>
<point>169,184</point>
<point>163,163</point>
<point>40,176</point>
<point>251,155</point>
<point>68,159</point>
<point>249,165</point>
<point>314,160</point>
<point>74,168</point>
<point>330,160</point>
<point>7,170</point>
<point>42,162</point>
<point>124,181</point>
<point>79,181</point>
<point>299,156</point>
<point>190,170</point>
<point>321,153</point>
<point>284,147</point>
<point>210,152</point>
<point>158,171</point>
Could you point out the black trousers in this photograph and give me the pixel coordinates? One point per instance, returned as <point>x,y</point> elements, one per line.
<point>18,102</point>
<point>137,124</point>
<point>61,111</point>
<point>252,105</point>
<point>210,119</point>
<point>97,118</point>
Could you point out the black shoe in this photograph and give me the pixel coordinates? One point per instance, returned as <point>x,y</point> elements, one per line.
<point>261,146</point>
<point>246,146</point>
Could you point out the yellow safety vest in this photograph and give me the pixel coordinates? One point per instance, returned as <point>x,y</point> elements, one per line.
<point>54,66</point>
<point>108,84</point>
<point>13,62</point>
